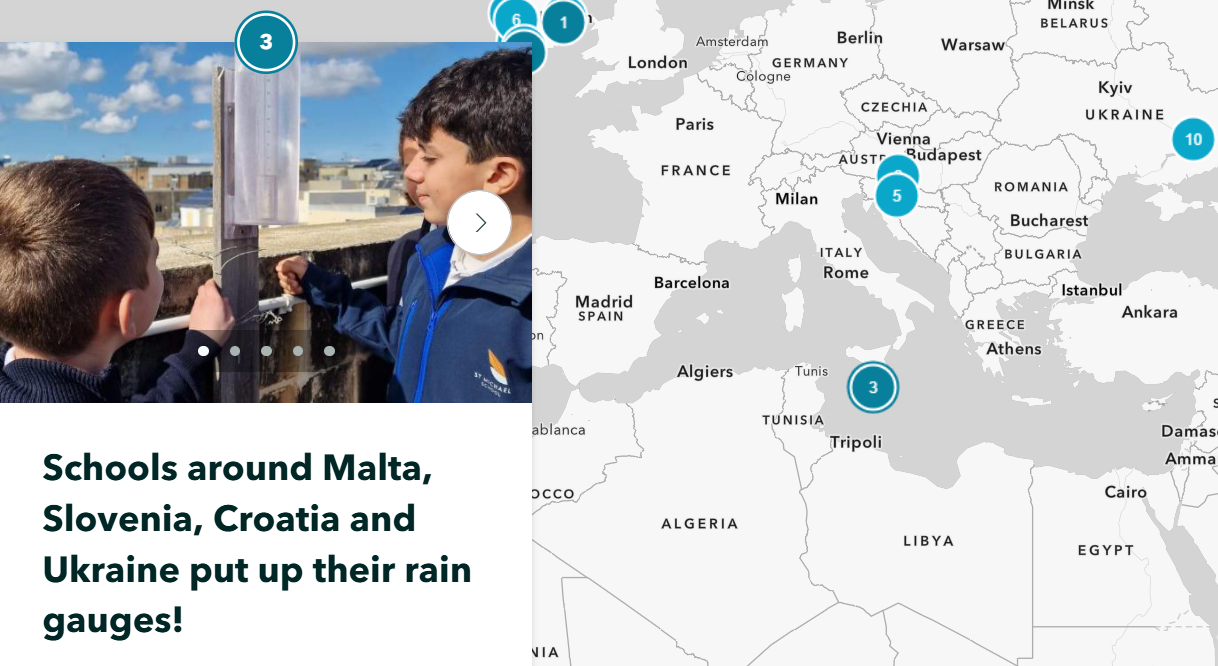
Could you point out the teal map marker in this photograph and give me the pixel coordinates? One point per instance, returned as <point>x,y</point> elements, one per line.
<point>873,387</point>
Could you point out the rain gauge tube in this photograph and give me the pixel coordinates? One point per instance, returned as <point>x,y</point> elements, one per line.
<point>266,150</point>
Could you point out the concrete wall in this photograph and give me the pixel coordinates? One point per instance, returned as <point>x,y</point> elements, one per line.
<point>316,185</point>
<point>337,197</point>
<point>337,214</point>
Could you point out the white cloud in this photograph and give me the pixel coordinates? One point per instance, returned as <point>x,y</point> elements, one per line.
<point>201,94</point>
<point>201,124</point>
<point>163,63</point>
<point>143,95</point>
<point>138,71</point>
<point>32,67</point>
<point>110,123</point>
<point>331,49</point>
<point>54,105</point>
<point>93,71</point>
<point>335,78</point>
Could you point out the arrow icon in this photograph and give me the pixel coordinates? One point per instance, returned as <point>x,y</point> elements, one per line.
<point>483,223</point>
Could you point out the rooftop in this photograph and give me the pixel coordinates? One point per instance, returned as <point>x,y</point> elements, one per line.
<point>200,199</point>
<point>180,249</point>
<point>377,163</point>
<point>179,169</point>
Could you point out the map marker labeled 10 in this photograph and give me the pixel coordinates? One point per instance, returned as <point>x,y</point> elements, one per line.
<point>1193,139</point>
<point>479,222</point>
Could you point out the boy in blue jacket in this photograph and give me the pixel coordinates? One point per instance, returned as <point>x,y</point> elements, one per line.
<point>462,330</point>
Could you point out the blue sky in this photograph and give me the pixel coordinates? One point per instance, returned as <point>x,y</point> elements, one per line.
<point>106,100</point>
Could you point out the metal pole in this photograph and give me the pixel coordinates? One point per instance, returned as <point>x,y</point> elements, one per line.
<point>236,259</point>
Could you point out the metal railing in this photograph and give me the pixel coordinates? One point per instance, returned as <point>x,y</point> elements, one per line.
<point>278,303</point>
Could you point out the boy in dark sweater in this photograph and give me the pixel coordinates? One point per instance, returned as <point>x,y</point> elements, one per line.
<point>462,329</point>
<point>78,280</point>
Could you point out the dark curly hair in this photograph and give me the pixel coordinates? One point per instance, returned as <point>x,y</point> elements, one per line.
<point>485,102</point>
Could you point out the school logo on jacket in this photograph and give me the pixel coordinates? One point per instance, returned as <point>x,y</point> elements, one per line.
<point>497,370</point>
<point>499,385</point>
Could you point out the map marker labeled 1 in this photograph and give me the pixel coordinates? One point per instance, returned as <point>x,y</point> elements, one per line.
<point>479,222</point>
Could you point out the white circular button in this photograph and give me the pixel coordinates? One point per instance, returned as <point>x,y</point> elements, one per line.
<point>479,222</point>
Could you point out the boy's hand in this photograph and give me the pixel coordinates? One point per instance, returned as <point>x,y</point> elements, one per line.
<point>291,271</point>
<point>211,314</point>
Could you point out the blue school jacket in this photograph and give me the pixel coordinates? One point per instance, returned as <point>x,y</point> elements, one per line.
<point>471,342</point>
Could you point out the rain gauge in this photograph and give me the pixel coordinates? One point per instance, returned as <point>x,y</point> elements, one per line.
<point>266,150</point>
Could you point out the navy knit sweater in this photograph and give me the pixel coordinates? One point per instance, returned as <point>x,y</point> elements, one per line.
<point>31,380</point>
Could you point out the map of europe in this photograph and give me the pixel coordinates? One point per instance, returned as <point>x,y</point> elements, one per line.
<point>717,263</point>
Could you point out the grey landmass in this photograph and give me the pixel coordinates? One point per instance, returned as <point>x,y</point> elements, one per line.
<point>750,332</point>
<point>711,20</point>
<point>947,401</point>
<point>915,270</point>
<point>569,171</point>
<point>551,391</point>
<point>1195,572</point>
<point>1126,240</point>
<point>1202,187</point>
<point>589,193</point>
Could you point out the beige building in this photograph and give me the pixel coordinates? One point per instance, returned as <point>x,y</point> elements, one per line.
<point>178,176</point>
<point>165,202</point>
<point>136,168</point>
<point>196,211</point>
<point>328,206</point>
<point>331,184</point>
<point>364,173</point>
<point>329,171</point>
<point>370,170</point>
